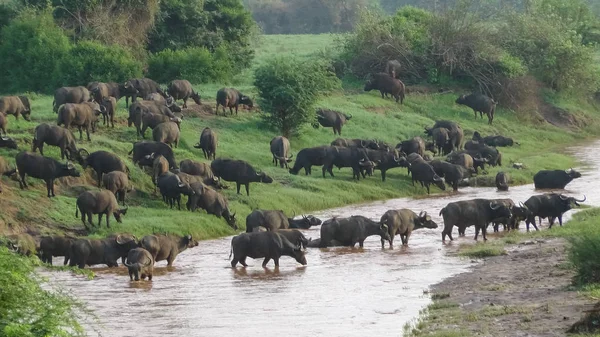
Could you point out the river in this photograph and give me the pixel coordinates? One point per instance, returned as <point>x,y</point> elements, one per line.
<point>341,292</point>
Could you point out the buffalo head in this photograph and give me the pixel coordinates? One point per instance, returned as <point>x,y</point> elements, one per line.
<point>230,218</point>
<point>8,142</point>
<point>247,101</point>
<point>70,170</point>
<point>190,242</point>
<point>573,174</point>
<point>570,201</point>
<point>439,182</point>
<point>196,97</point>
<point>499,210</point>
<point>461,100</point>
<point>368,85</point>
<point>299,255</point>
<point>79,156</point>
<point>119,214</point>
<point>384,232</point>
<point>425,221</point>
<point>126,240</point>
<point>264,178</point>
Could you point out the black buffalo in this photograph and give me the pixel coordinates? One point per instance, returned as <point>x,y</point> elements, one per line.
<point>142,150</point>
<point>353,157</point>
<point>332,119</point>
<point>305,222</point>
<point>208,143</point>
<point>549,206</point>
<point>280,149</point>
<point>456,134</point>
<point>424,173</point>
<point>103,162</point>
<point>475,212</point>
<point>106,251</point>
<point>212,202</point>
<point>309,157</point>
<point>502,181</point>
<point>386,160</point>
<point>238,171</point>
<point>51,246</point>
<point>43,168</point>
<point>479,103</point>
<point>556,179</point>
<point>352,230</point>
<point>270,220</point>
<point>267,245</point>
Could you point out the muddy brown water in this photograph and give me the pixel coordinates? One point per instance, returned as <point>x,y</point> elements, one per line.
<point>342,291</point>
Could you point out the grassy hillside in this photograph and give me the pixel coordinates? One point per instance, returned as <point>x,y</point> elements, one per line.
<point>245,137</point>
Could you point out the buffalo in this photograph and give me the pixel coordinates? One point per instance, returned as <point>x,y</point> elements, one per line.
<point>364,143</point>
<point>140,87</point>
<point>101,202</point>
<point>212,201</point>
<point>554,179</point>
<point>51,246</point>
<point>352,230</point>
<point>152,120</point>
<point>56,136</point>
<point>494,140</point>
<point>208,143</point>
<point>106,251</point>
<point>140,264</point>
<point>182,89</point>
<point>403,222</point>
<point>280,149</point>
<point>385,160</point>
<point>476,212</point>
<point>84,115</point>
<point>479,103</point>
<point>167,133</point>
<point>196,168</point>
<point>110,110</point>
<point>102,162</point>
<point>138,109</point>
<point>451,173</point>
<point>231,98</point>
<point>502,181</point>
<point>8,142</point>
<point>142,150</point>
<point>386,84</point>
<point>44,168</point>
<point>441,137</point>
<point>309,157</point>
<point>267,245</point>
<point>549,206</point>
<point>305,222</point>
<point>167,247</point>
<point>16,106</point>
<point>356,158</point>
<point>478,150</point>
<point>238,171</point>
<point>74,95</point>
<point>332,119</point>
<point>424,173</point>
<point>414,145</point>
<point>295,237</point>
<point>270,220</point>
<point>118,184</point>
<point>456,134</point>
<point>171,187</point>
<point>465,160</point>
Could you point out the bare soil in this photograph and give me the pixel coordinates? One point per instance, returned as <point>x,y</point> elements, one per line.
<point>525,293</point>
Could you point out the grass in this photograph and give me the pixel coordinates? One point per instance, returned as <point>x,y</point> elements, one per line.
<point>482,250</point>
<point>246,137</point>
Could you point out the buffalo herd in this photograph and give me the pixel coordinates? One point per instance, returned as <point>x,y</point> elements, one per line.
<point>270,234</point>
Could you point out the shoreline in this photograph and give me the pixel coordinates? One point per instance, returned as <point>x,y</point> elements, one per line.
<point>527,292</point>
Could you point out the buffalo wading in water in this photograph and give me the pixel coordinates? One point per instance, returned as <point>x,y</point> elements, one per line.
<point>43,168</point>
<point>305,222</point>
<point>166,246</point>
<point>238,171</point>
<point>270,220</point>
<point>231,98</point>
<point>502,181</point>
<point>403,222</point>
<point>479,103</point>
<point>476,212</point>
<point>106,251</point>
<point>51,246</point>
<point>280,149</point>
<point>549,206</point>
<point>101,202</point>
<point>268,245</point>
<point>554,179</point>
<point>352,230</point>
<point>208,143</point>
<point>140,264</point>
<point>331,119</point>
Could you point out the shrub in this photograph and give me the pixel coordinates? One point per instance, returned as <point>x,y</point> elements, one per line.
<point>32,50</point>
<point>28,310</point>
<point>288,89</point>
<point>91,61</point>
<point>583,254</point>
<point>196,64</point>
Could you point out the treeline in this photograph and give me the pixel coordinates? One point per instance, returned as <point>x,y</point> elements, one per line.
<point>45,44</point>
<point>508,55</point>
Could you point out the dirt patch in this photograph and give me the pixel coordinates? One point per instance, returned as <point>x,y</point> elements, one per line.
<point>195,110</point>
<point>522,294</point>
<point>560,117</point>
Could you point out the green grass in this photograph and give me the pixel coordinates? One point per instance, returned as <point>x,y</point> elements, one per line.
<point>246,137</point>
<point>482,250</point>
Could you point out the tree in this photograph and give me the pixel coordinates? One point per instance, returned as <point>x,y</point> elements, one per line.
<point>289,88</point>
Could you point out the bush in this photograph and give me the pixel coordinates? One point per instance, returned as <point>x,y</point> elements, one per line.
<point>288,89</point>
<point>28,310</point>
<point>91,61</point>
<point>32,50</point>
<point>583,254</point>
<point>196,64</point>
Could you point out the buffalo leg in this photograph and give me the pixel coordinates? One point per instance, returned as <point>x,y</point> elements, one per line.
<point>107,220</point>
<point>243,261</point>
<point>267,259</point>
<point>406,236</point>
<point>185,103</point>
<point>238,187</point>
<point>483,232</point>
<point>178,199</point>
<point>99,220</point>
<point>476,227</point>
<point>248,189</point>
<point>560,220</point>
<point>49,186</point>
<point>426,186</point>
<point>22,182</point>
<point>64,263</point>
<point>80,133</point>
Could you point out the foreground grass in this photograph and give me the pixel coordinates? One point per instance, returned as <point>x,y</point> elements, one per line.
<point>246,137</point>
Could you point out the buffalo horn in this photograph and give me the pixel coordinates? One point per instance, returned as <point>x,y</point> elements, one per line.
<point>421,214</point>
<point>563,197</point>
<point>5,138</point>
<point>583,200</point>
<point>494,208</point>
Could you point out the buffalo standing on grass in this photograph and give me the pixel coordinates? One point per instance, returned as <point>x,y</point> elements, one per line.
<point>309,157</point>
<point>51,246</point>
<point>16,106</point>
<point>212,202</point>
<point>101,202</point>
<point>208,143</point>
<point>140,87</point>
<point>106,251</point>
<point>56,136</point>
<point>403,222</point>
<point>110,110</point>
<point>451,173</point>
<point>182,89</point>
<point>238,171</point>
<point>167,247</point>
<point>352,230</point>
<point>152,120</point>
<point>267,245</point>
<point>270,220</point>
<point>73,95</point>
<point>456,134</point>
<point>118,184</point>
<point>476,212</point>
<point>171,188</point>
<point>555,179</point>
<point>143,150</point>
<point>479,103</point>
<point>140,264</point>
<point>44,168</point>
<point>331,119</point>
<point>386,160</point>
<point>424,173</point>
<point>353,157</point>
<point>167,133</point>
<point>414,145</point>
<point>196,168</point>
<point>231,98</point>
<point>386,84</point>
<point>280,149</point>
<point>84,115</point>
<point>102,162</point>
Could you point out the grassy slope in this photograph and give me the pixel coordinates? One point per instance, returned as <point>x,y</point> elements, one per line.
<point>245,137</point>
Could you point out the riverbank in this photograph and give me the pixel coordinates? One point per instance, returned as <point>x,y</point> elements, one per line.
<point>526,290</point>
<point>245,137</point>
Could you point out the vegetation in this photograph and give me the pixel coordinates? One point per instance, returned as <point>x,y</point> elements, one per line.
<point>25,308</point>
<point>289,89</point>
<point>482,250</point>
